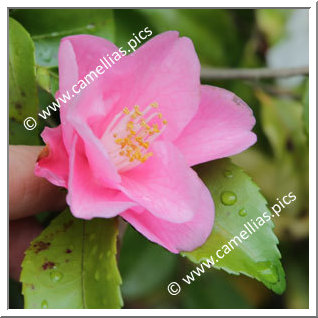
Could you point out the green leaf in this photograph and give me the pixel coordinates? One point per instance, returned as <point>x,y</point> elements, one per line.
<point>47,79</point>
<point>47,27</point>
<point>258,255</point>
<point>23,101</point>
<point>139,260</point>
<point>72,264</point>
<point>283,125</point>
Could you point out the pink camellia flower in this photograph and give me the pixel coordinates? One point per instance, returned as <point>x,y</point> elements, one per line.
<point>126,143</point>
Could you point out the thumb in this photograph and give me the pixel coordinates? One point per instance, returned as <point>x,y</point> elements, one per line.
<point>29,194</point>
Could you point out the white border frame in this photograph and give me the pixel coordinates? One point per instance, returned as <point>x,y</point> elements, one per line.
<point>312,164</point>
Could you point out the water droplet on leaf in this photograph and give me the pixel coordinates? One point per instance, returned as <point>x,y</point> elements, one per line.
<point>228,197</point>
<point>44,304</point>
<point>56,276</point>
<point>242,212</point>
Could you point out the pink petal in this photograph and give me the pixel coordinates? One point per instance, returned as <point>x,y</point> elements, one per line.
<point>176,237</point>
<point>86,112</point>
<point>78,56</point>
<point>86,197</point>
<point>99,161</point>
<point>165,70</point>
<point>54,166</point>
<point>221,128</point>
<point>141,78</point>
<point>166,186</point>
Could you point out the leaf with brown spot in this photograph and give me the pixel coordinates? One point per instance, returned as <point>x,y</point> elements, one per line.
<point>47,265</point>
<point>87,278</point>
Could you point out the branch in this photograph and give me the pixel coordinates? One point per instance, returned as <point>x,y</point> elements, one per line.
<point>251,73</point>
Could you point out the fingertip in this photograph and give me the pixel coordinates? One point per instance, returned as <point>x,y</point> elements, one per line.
<point>29,194</point>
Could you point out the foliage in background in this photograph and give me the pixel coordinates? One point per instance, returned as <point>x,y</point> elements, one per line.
<point>278,163</point>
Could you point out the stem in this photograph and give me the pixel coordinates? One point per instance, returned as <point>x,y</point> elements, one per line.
<point>252,73</point>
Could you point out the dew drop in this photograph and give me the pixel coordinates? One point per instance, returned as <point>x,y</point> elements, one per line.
<point>242,212</point>
<point>56,276</point>
<point>44,304</point>
<point>228,197</point>
<point>228,174</point>
<point>97,275</point>
<point>267,271</point>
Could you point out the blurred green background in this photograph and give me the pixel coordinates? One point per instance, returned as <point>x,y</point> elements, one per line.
<point>278,163</point>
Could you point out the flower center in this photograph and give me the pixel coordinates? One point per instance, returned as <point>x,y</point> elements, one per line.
<point>131,133</point>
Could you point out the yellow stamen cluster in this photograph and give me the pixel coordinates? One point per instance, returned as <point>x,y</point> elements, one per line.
<point>135,144</point>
